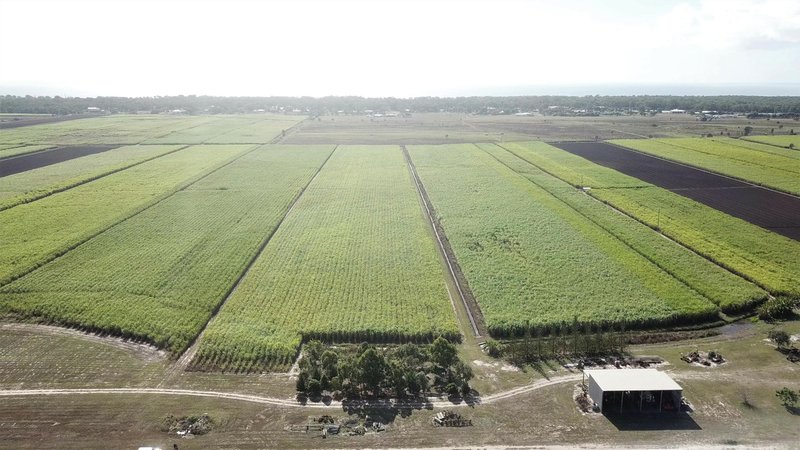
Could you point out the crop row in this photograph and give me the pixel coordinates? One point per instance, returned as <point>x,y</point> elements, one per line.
<point>159,275</point>
<point>33,184</point>
<point>533,262</point>
<point>352,262</point>
<point>729,291</point>
<point>781,172</point>
<point>35,233</point>
<point>770,260</point>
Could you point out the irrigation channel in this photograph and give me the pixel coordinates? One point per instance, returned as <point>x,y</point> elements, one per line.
<point>454,271</point>
<point>775,211</point>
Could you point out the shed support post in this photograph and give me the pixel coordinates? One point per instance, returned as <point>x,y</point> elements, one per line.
<point>660,400</point>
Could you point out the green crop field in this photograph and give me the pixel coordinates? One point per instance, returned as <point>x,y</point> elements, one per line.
<point>260,131</point>
<point>781,172</point>
<point>243,129</point>
<point>730,292</point>
<point>766,148</point>
<point>352,262</point>
<point>37,232</point>
<point>533,262</point>
<point>33,184</point>
<point>116,129</point>
<point>781,141</point>
<point>768,259</point>
<point>159,275</point>
<point>195,228</point>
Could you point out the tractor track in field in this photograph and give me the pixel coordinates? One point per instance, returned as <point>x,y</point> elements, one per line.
<point>432,402</point>
<point>185,360</point>
<point>454,270</point>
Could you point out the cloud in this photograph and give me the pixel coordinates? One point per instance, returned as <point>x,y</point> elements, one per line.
<point>732,25</point>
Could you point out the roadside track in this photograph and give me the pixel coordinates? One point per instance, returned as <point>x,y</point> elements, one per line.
<point>291,403</point>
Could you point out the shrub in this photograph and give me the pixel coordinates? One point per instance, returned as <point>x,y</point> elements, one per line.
<point>780,307</point>
<point>314,388</point>
<point>788,397</point>
<point>779,337</point>
<point>451,389</point>
<point>494,348</point>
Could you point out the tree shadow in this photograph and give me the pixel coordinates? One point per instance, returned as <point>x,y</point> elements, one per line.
<point>537,366</point>
<point>665,421</point>
<point>564,363</point>
<point>471,399</point>
<point>385,411</point>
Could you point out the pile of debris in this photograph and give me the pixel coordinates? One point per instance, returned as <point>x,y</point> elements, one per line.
<point>581,396</point>
<point>450,419</point>
<point>187,425</point>
<point>792,354</point>
<point>709,359</point>
<point>356,427</point>
<point>619,363</point>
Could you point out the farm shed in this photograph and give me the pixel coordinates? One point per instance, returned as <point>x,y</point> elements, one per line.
<point>633,390</point>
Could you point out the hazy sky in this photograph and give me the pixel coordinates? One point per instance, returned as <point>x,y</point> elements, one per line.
<point>388,48</point>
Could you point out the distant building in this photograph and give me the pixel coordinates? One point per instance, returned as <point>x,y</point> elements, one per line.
<point>93,109</point>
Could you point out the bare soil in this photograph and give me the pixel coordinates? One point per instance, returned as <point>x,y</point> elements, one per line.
<point>30,161</point>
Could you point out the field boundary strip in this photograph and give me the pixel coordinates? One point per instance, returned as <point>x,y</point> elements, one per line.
<point>690,166</point>
<point>89,179</point>
<point>186,358</point>
<point>429,214</point>
<point>597,224</point>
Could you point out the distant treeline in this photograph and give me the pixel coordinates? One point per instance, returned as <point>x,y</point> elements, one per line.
<point>328,105</point>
